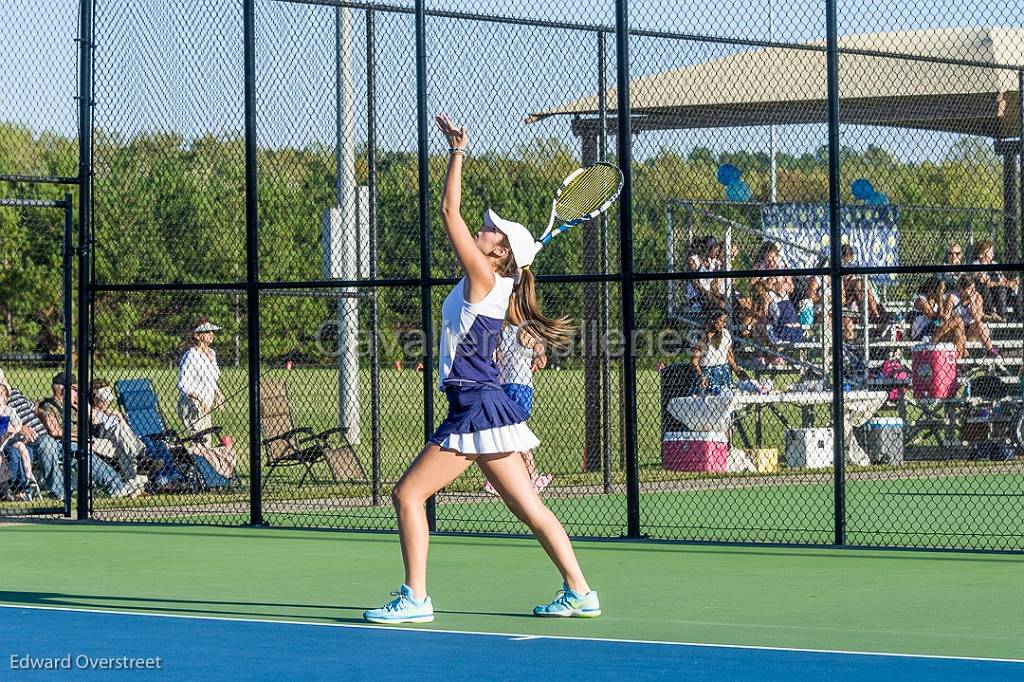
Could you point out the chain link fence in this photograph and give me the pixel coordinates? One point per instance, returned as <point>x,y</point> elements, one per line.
<point>817,257</point>
<point>35,346</point>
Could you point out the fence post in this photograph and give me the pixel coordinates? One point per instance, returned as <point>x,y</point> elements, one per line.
<point>252,294</point>
<point>67,263</point>
<point>835,272</point>
<point>1020,160</point>
<point>606,373</point>
<point>592,446</point>
<point>85,104</point>
<point>371,185</point>
<point>425,266</point>
<point>625,153</point>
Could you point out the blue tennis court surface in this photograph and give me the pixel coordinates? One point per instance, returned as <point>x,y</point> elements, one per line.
<point>212,649</point>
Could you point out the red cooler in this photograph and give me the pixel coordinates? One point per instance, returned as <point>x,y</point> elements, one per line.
<point>694,451</point>
<point>934,370</point>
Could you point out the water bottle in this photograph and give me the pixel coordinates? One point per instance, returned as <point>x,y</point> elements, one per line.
<point>806,313</point>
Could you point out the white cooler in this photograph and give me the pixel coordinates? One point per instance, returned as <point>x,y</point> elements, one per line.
<point>809,448</point>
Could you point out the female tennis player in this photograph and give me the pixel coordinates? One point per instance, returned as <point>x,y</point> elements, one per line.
<point>483,424</point>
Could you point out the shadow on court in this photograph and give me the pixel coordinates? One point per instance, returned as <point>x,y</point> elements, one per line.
<point>206,607</point>
<point>198,607</point>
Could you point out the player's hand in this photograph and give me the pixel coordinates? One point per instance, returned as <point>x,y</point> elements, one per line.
<point>456,135</point>
<point>540,358</point>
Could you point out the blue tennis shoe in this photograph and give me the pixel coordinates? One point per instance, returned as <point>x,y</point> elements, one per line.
<point>404,608</point>
<point>568,604</point>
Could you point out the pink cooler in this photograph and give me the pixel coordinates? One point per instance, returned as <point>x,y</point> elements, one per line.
<point>934,370</point>
<point>694,451</point>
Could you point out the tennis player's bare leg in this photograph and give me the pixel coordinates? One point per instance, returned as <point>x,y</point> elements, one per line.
<point>432,470</point>
<point>508,474</point>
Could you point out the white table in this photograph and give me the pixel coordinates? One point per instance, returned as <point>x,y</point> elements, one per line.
<point>718,412</point>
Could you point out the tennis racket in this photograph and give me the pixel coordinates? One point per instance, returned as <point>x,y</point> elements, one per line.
<point>584,195</point>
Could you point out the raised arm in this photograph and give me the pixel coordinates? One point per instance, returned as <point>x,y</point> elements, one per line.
<point>478,267</point>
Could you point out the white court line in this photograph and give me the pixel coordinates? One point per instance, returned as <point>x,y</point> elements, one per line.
<point>516,636</point>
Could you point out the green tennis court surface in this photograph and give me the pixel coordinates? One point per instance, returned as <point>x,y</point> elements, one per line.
<point>951,604</point>
<point>912,507</point>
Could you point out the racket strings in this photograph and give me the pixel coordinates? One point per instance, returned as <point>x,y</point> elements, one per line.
<point>588,192</point>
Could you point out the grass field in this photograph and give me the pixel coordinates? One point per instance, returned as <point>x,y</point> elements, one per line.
<point>977,504</point>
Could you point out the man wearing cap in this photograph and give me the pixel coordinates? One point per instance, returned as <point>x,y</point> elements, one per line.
<point>51,414</point>
<point>197,378</point>
<point>114,440</point>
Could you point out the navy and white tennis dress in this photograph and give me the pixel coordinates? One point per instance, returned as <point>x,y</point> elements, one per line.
<point>481,419</point>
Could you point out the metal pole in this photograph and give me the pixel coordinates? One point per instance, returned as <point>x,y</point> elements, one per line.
<point>670,231</point>
<point>252,263</point>
<point>1020,160</point>
<point>625,154</point>
<point>426,313</point>
<point>68,266</point>
<point>1020,187</point>
<point>866,319</point>
<point>772,162</point>
<point>1009,193</point>
<point>606,373</point>
<point>592,447</point>
<point>371,182</point>
<point>343,248</point>
<point>835,270</point>
<point>85,104</point>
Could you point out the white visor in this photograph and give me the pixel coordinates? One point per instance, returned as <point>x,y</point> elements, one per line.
<point>206,327</point>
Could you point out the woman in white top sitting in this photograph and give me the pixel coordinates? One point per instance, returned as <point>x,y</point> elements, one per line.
<point>713,360</point>
<point>705,293</point>
<point>967,303</point>
<point>934,319</point>
<point>198,374</point>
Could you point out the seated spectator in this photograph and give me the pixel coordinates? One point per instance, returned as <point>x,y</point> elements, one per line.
<point>995,289</point>
<point>933,318</point>
<point>713,360</point>
<point>782,323</point>
<point>954,257</point>
<point>807,295</point>
<point>753,311</point>
<point>704,294</point>
<point>114,440</point>
<point>966,302</point>
<point>23,485</point>
<point>770,258</point>
<point>51,413</point>
<point>855,291</point>
<point>41,446</point>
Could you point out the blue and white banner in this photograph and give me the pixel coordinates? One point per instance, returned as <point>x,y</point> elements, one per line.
<point>872,231</point>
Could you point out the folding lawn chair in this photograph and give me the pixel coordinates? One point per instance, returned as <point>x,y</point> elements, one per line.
<point>182,470</point>
<point>288,445</point>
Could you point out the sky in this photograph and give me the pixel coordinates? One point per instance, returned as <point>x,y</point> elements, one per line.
<point>177,66</point>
